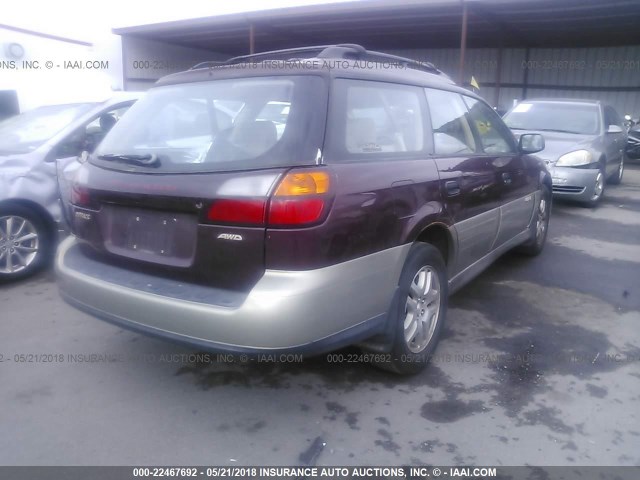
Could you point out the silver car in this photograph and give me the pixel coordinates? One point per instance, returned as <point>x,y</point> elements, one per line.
<point>38,150</point>
<point>584,144</point>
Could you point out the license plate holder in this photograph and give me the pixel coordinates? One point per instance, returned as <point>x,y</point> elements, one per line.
<point>149,235</point>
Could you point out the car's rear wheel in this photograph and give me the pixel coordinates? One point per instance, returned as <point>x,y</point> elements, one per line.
<point>25,242</point>
<point>616,179</point>
<point>598,190</point>
<point>539,226</point>
<point>419,315</point>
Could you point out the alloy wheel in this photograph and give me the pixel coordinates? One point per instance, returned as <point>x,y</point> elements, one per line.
<point>422,309</point>
<point>19,243</point>
<point>620,170</point>
<point>541,220</point>
<point>599,187</point>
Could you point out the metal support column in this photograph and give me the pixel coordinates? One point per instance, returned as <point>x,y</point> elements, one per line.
<point>525,76</point>
<point>463,42</point>
<point>496,100</point>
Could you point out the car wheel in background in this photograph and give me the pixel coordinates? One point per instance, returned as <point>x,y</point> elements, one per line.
<point>616,179</point>
<point>598,190</point>
<point>539,226</point>
<point>420,313</point>
<point>25,242</point>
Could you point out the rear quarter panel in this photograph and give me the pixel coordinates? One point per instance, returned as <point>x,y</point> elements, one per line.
<point>377,205</point>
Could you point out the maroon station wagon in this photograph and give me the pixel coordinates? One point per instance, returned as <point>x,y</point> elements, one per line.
<point>300,201</point>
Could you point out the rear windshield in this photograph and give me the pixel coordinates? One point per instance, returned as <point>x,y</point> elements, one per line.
<point>222,125</point>
<point>555,117</point>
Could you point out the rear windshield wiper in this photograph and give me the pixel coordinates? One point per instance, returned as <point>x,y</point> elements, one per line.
<point>148,160</point>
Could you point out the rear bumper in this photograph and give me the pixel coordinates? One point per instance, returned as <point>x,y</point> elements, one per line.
<point>574,183</point>
<point>307,311</point>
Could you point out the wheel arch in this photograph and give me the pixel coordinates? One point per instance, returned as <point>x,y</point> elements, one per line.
<point>545,180</point>
<point>439,235</point>
<point>602,160</point>
<point>42,212</point>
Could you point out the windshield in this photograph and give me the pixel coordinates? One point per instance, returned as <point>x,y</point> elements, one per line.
<point>27,131</point>
<point>554,116</point>
<point>220,125</point>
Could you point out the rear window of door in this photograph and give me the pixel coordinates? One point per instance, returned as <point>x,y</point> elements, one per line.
<point>370,120</point>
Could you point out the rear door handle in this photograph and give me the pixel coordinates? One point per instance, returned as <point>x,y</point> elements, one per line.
<point>452,187</point>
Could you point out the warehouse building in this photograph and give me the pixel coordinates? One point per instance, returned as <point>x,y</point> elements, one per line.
<point>30,59</point>
<point>514,49</point>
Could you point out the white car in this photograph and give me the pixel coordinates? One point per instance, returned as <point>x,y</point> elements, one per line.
<point>38,150</point>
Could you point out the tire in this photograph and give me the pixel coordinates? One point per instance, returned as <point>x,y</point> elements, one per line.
<point>423,278</point>
<point>539,227</point>
<point>32,249</point>
<point>616,179</point>
<point>599,190</point>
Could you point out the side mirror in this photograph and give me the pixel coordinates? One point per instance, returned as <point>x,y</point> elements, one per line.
<point>531,143</point>
<point>89,144</point>
<point>614,129</point>
<point>83,157</point>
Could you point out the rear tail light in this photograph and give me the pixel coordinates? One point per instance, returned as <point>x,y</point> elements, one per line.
<point>295,211</point>
<point>301,198</point>
<point>240,211</point>
<point>303,183</point>
<point>80,196</point>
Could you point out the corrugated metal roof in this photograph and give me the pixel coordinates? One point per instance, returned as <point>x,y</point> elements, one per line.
<point>406,24</point>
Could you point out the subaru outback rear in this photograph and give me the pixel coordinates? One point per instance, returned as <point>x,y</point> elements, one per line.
<point>210,215</point>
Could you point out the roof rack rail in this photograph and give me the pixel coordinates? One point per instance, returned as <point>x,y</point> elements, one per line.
<point>276,54</point>
<point>208,64</point>
<point>358,52</point>
<point>350,51</point>
<point>272,54</point>
<point>343,50</point>
<point>408,62</point>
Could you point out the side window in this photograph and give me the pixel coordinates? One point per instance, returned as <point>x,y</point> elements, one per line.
<point>611,117</point>
<point>381,118</point>
<point>494,135</point>
<point>451,131</point>
<point>91,134</point>
<point>98,128</point>
<point>607,117</point>
<point>106,120</point>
